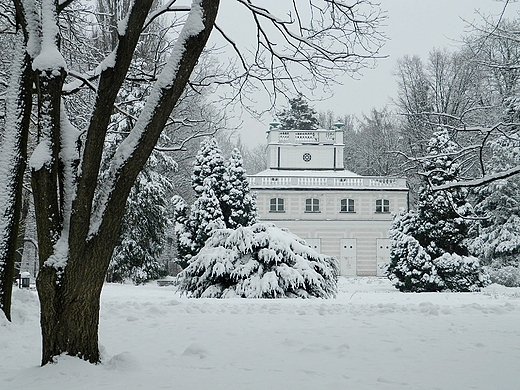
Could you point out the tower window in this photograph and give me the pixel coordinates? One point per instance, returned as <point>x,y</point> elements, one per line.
<point>347,206</point>
<point>276,205</point>
<point>382,206</point>
<point>312,205</point>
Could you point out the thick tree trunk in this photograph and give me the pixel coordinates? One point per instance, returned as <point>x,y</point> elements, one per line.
<point>70,305</point>
<point>74,258</point>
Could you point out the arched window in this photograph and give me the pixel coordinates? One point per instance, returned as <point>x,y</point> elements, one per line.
<point>347,206</point>
<point>276,205</point>
<point>312,205</point>
<point>382,206</point>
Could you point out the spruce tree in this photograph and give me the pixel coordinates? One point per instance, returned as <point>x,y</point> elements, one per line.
<point>496,237</point>
<point>143,231</point>
<point>206,215</point>
<point>442,227</point>
<point>258,261</point>
<point>428,250</point>
<point>209,163</point>
<point>241,202</point>
<point>183,230</point>
<point>298,116</point>
<point>223,200</point>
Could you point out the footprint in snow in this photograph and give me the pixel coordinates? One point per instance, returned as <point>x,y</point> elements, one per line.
<point>195,350</point>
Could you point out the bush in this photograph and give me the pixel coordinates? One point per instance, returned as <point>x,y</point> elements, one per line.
<point>508,275</point>
<point>460,273</point>
<point>260,261</point>
<point>412,269</point>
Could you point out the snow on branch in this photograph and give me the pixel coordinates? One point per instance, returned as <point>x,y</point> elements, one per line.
<point>193,26</point>
<point>480,181</point>
<point>49,58</point>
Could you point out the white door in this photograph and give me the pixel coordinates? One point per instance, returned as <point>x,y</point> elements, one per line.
<point>383,255</point>
<point>348,257</point>
<point>314,243</point>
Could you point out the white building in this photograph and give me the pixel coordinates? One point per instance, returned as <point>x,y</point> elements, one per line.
<point>307,190</point>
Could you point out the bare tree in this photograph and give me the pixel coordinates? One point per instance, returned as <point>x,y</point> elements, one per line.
<point>435,93</point>
<point>78,215</point>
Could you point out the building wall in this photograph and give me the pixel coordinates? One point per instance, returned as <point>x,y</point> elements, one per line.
<point>321,156</point>
<point>330,225</point>
<point>330,201</point>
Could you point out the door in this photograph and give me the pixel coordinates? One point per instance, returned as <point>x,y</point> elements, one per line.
<point>314,243</point>
<point>383,255</point>
<point>348,257</point>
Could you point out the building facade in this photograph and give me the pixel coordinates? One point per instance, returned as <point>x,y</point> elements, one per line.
<point>339,213</point>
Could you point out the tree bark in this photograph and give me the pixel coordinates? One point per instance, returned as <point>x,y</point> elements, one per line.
<point>19,120</point>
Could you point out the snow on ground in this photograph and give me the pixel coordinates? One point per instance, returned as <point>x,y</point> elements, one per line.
<point>370,337</point>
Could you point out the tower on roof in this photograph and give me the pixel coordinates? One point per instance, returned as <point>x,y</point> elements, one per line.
<point>305,149</point>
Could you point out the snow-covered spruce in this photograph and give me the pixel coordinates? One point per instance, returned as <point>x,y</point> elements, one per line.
<point>223,200</point>
<point>242,204</point>
<point>428,250</point>
<point>298,116</point>
<point>143,230</point>
<point>260,261</point>
<point>414,268</point>
<point>209,163</point>
<point>495,239</point>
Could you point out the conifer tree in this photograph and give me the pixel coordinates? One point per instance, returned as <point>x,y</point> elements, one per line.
<point>298,116</point>
<point>209,163</point>
<point>428,245</point>
<point>258,261</point>
<point>143,230</point>
<point>496,237</point>
<point>241,202</point>
<point>441,226</point>
<point>206,215</point>
<point>183,231</point>
<point>223,200</point>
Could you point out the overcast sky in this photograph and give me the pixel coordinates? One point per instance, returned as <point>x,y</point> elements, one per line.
<point>413,27</point>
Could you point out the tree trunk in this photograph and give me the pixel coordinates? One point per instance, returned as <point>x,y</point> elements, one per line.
<point>14,162</point>
<point>70,304</point>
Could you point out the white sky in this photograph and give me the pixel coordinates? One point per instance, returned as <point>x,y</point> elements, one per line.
<point>413,27</point>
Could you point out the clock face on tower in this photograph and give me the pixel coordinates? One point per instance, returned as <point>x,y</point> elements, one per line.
<point>307,157</point>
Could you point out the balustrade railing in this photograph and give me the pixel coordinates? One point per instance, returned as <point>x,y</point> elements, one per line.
<point>308,136</point>
<point>351,182</point>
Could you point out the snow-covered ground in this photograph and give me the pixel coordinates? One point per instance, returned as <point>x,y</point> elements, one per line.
<point>370,337</point>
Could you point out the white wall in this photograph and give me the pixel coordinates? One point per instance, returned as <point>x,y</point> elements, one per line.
<point>330,225</point>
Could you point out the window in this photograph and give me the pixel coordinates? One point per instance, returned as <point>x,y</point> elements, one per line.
<point>312,205</point>
<point>382,206</point>
<point>276,205</point>
<point>347,206</point>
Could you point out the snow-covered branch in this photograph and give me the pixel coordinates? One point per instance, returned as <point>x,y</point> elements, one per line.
<point>183,143</point>
<point>480,181</point>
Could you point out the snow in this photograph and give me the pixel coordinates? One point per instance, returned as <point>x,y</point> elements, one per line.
<point>41,155</point>
<point>50,57</point>
<point>370,337</point>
